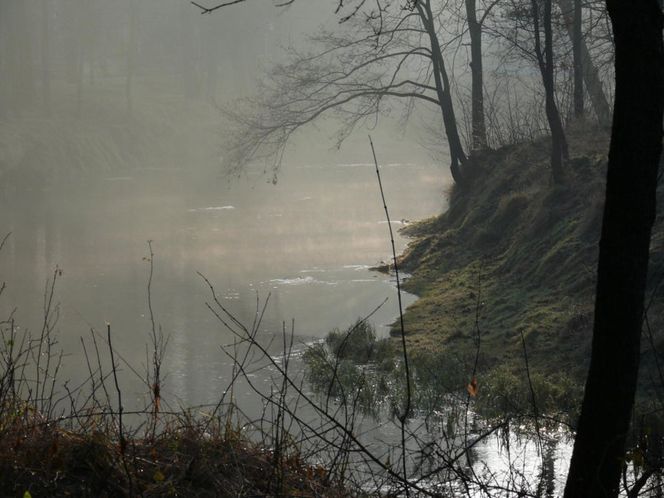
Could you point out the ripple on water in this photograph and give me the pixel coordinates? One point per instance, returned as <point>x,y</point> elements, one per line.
<point>299,281</point>
<point>356,267</point>
<point>211,209</point>
<point>313,270</point>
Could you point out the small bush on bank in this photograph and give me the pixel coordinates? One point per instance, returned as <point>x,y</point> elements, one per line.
<point>353,366</point>
<point>507,392</point>
<point>357,343</point>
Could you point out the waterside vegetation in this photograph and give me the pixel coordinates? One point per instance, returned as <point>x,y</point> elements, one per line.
<point>512,264</point>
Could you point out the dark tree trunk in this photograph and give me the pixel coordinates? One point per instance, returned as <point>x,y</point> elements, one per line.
<point>578,60</point>
<point>479,141</point>
<point>457,155</point>
<point>629,212</point>
<point>590,75</point>
<point>594,87</point>
<point>545,61</point>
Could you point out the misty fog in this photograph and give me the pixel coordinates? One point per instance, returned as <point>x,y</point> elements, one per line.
<point>194,235</point>
<point>110,136</point>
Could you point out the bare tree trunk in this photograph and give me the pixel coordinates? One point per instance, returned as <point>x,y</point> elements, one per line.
<point>629,212</point>
<point>577,38</point>
<point>457,155</point>
<point>590,75</point>
<point>545,60</point>
<point>479,140</point>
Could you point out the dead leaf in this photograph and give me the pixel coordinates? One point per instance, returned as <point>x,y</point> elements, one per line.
<point>472,387</point>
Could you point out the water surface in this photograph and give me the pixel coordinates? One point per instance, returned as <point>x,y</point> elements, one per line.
<point>306,242</point>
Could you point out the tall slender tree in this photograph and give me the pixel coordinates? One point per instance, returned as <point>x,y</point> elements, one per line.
<point>629,213</point>
<point>577,37</point>
<point>457,155</point>
<point>544,56</point>
<point>394,54</point>
<point>479,139</point>
<point>572,19</point>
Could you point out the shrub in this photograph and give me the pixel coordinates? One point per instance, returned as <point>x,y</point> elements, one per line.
<point>357,343</point>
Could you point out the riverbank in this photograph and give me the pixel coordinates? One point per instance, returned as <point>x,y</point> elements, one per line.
<point>509,271</point>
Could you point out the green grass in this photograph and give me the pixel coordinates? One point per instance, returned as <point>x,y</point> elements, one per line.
<point>516,255</point>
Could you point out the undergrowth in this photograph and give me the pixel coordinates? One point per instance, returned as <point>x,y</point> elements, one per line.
<point>189,457</point>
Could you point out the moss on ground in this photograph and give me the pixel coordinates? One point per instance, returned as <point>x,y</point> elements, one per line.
<point>515,256</point>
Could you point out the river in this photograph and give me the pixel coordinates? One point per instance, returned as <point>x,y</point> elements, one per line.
<point>306,242</point>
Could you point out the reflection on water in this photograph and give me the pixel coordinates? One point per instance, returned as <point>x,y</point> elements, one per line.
<point>307,242</point>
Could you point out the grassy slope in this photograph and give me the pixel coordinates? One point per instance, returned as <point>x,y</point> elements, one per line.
<point>529,250</point>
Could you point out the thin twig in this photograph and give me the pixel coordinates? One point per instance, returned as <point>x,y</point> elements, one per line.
<point>4,240</point>
<point>532,393</point>
<point>406,412</point>
<point>123,442</point>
